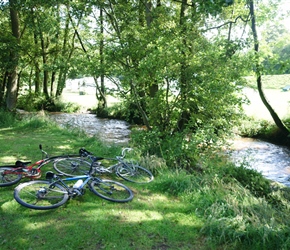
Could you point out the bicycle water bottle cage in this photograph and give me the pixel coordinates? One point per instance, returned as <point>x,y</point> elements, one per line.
<point>49,175</point>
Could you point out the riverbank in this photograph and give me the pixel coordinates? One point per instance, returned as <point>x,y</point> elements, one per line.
<point>219,207</point>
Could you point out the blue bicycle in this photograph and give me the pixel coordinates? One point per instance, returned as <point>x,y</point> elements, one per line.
<point>54,192</point>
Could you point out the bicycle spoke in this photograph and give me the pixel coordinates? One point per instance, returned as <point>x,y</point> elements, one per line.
<point>40,195</point>
<point>111,190</point>
<point>134,173</point>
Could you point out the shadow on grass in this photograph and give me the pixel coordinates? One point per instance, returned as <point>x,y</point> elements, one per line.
<point>90,222</point>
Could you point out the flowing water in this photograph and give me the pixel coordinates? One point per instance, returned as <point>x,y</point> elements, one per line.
<point>108,130</point>
<point>271,160</point>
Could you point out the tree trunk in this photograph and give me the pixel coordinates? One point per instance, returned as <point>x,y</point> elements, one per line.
<point>274,115</point>
<point>153,88</point>
<point>64,70</point>
<point>45,71</point>
<point>12,88</point>
<point>184,115</point>
<point>100,90</point>
<point>2,88</point>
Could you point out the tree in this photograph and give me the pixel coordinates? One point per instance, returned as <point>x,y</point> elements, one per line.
<point>12,85</point>
<point>258,71</point>
<point>275,49</point>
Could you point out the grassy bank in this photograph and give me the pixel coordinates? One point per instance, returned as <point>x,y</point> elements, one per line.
<point>219,207</point>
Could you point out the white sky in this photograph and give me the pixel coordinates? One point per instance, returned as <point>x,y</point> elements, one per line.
<point>285,7</point>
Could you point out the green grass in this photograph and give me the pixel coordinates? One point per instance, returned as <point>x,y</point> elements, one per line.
<point>219,207</point>
<point>276,82</point>
<point>272,86</point>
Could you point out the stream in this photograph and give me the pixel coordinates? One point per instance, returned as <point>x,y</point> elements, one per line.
<point>108,130</point>
<point>271,160</point>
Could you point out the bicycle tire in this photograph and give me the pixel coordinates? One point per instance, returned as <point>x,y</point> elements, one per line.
<point>40,195</point>
<point>111,190</point>
<point>72,166</point>
<point>8,179</point>
<point>132,172</point>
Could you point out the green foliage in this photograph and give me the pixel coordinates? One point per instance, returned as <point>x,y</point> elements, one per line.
<point>67,107</point>
<point>275,49</point>
<point>35,102</point>
<point>31,102</point>
<point>240,208</point>
<point>250,179</point>
<point>251,127</point>
<point>175,183</point>
<point>179,150</point>
<point>7,119</point>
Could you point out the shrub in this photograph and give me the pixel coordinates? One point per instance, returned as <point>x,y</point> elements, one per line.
<point>251,127</point>
<point>250,179</point>
<point>35,102</point>
<point>7,119</point>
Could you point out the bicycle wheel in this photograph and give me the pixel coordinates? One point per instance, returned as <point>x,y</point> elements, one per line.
<point>8,177</point>
<point>132,172</point>
<point>72,166</point>
<point>40,195</point>
<point>111,190</point>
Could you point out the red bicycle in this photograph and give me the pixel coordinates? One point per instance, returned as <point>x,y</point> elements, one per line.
<point>12,174</point>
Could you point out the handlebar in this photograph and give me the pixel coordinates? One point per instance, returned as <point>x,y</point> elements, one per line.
<point>44,154</point>
<point>125,150</point>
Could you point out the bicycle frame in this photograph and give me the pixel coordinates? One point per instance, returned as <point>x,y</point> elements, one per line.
<point>26,171</point>
<point>86,179</point>
<point>21,168</point>
<point>100,168</point>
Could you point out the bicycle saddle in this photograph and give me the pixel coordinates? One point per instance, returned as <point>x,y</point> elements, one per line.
<point>21,163</point>
<point>84,152</point>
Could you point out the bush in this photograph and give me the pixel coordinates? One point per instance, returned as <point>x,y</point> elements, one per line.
<point>251,127</point>
<point>7,119</point>
<point>35,102</point>
<point>254,181</point>
<point>183,150</point>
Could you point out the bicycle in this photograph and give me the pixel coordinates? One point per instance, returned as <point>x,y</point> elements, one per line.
<point>54,192</point>
<point>12,174</point>
<point>128,170</point>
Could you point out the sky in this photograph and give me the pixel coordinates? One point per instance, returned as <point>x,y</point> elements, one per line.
<point>285,7</point>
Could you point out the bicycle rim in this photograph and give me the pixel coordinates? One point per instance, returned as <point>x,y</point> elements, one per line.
<point>8,178</point>
<point>40,195</point>
<point>72,166</point>
<point>111,190</point>
<point>134,173</point>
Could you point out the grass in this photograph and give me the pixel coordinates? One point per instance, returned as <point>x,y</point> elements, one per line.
<point>86,222</point>
<point>272,87</point>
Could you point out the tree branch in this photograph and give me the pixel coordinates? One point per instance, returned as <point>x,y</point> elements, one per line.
<point>229,22</point>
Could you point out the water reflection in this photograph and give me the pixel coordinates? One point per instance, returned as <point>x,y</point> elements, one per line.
<point>108,130</point>
<point>271,160</point>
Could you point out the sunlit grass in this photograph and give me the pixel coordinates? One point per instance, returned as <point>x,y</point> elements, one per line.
<point>272,87</point>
